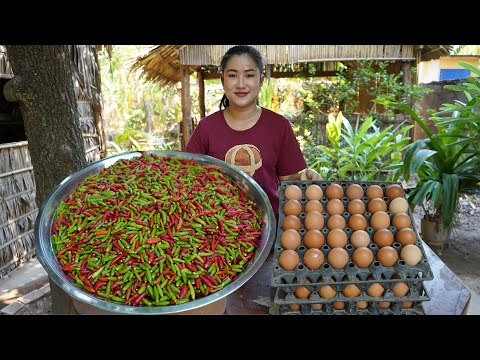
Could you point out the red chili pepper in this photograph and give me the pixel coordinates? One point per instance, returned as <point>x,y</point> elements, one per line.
<point>191,267</point>
<point>86,281</point>
<point>206,281</point>
<point>69,266</point>
<point>99,284</point>
<point>211,279</point>
<point>71,276</point>
<point>117,259</point>
<point>140,222</point>
<point>183,291</point>
<point>153,241</point>
<point>129,237</point>
<point>168,272</point>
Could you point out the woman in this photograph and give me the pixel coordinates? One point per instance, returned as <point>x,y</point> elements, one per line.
<point>257,140</point>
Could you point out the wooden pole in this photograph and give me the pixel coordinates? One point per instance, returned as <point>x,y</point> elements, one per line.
<point>186,105</point>
<point>201,91</point>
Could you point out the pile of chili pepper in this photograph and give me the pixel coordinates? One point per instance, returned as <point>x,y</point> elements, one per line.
<point>155,231</point>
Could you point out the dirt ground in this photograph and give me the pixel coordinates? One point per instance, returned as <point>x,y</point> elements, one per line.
<point>462,255</point>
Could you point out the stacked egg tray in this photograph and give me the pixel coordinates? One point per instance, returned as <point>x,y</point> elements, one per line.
<point>287,281</point>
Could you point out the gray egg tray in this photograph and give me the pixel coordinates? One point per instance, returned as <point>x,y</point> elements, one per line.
<point>402,271</point>
<point>286,282</point>
<point>417,293</point>
<point>350,309</point>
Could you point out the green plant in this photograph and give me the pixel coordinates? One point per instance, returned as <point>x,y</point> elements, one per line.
<point>131,139</point>
<point>363,152</point>
<point>447,162</point>
<point>266,94</point>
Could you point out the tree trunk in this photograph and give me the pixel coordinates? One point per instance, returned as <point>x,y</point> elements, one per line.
<point>43,86</point>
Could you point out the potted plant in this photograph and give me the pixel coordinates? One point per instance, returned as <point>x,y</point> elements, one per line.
<point>446,163</point>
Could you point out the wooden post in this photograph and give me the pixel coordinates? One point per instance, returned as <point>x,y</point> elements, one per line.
<point>201,91</point>
<point>268,71</point>
<point>407,78</point>
<point>186,105</point>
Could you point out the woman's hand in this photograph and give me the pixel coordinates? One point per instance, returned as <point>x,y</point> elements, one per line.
<point>310,174</point>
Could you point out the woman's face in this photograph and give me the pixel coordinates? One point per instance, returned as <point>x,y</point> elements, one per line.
<point>242,81</point>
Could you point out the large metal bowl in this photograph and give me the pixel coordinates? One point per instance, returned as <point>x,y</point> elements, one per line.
<point>95,305</point>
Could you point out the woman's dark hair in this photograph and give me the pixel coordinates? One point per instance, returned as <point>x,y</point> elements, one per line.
<point>239,50</point>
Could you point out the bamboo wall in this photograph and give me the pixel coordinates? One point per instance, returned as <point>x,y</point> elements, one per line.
<point>18,210</point>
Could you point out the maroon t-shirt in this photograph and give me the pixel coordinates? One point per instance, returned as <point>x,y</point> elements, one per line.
<point>266,151</point>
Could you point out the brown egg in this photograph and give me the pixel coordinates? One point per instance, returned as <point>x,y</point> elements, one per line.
<point>376,204</point>
<point>400,289</point>
<point>292,207</point>
<point>411,254</point>
<point>291,222</point>
<point>316,306</point>
<point>357,222</point>
<point>383,237</point>
<point>335,207</point>
<point>406,236</point>
<point>361,304</point>
<point>394,191</point>
<point>313,258</point>
<point>302,292</point>
<point>354,191</point>
<point>337,258</point>
<point>374,191</point>
<point>356,206</point>
<point>290,239</point>
<point>375,290</point>
<point>387,256</point>
<point>334,191</point>
<point>351,291</point>
<point>338,305</point>
<point>337,238</point>
<point>327,292</point>
<point>398,205</point>
<point>313,205</point>
<point>384,304</point>
<point>401,221</point>
<point>313,239</point>
<point>294,307</point>
<point>360,238</point>
<point>313,192</point>
<point>407,304</point>
<point>293,191</point>
<point>362,257</point>
<point>314,220</point>
<point>288,259</point>
<point>380,220</point>
<point>336,222</point>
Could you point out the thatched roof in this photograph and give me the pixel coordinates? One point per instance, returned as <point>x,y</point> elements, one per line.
<point>162,63</point>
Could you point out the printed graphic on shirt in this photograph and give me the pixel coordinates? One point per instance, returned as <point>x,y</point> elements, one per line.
<point>246,157</point>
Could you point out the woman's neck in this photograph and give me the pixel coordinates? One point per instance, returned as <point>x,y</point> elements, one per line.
<point>242,119</point>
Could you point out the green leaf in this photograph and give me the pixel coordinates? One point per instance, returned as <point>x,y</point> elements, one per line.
<point>470,67</point>
<point>450,198</point>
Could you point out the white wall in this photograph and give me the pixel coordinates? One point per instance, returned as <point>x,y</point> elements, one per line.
<point>428,71</point>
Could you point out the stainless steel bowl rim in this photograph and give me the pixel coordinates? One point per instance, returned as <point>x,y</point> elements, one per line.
<point>46,256</point>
